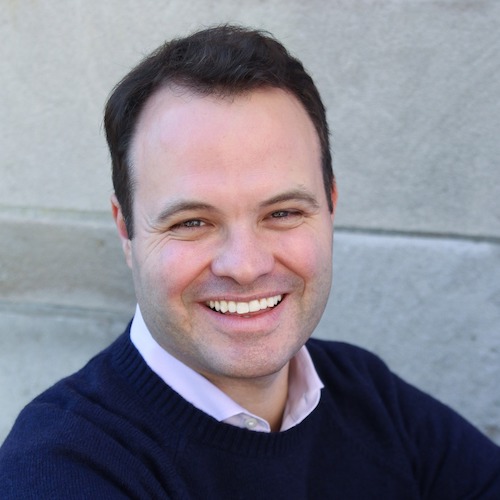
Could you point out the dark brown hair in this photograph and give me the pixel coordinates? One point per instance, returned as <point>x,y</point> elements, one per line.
<point>223,60</point>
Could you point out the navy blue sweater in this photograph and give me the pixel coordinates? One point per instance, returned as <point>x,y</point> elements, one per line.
<point>115,430</point>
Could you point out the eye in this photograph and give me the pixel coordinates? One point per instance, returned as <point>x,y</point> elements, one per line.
<point>285,219</point>
<point>281,214</point>
<point>193,223</point>
<point>188,224</point>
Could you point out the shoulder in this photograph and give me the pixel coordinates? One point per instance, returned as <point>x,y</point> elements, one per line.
<point>372,404</point>
<point>75,438</point>
<point>342,361</point>
<point>363,379</point>
<point>70,398</point>
<point>341,351</point>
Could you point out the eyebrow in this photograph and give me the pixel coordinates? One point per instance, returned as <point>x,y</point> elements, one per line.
<point>180,206</point>
<point>292,195</point>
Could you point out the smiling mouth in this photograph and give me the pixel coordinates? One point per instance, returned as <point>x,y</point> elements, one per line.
<point>233,307</point>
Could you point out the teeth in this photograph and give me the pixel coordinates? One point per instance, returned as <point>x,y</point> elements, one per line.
<point>242,307</point>
<point>231,306</point>
<point>254,306</point>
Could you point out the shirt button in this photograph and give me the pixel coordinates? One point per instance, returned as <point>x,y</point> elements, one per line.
<point>251,423</point>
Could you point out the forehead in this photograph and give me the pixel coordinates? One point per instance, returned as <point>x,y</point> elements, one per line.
<point>190,138</point>
<point>173,110</point>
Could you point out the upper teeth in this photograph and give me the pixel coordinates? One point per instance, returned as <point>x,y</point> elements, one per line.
<point>231,306</point>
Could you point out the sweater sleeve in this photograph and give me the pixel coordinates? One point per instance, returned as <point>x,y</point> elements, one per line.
<point>453,459</point>
<point>447,456</point>
<point>53,453</point>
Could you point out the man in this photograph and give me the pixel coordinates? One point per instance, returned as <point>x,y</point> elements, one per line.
<point>224,202</point>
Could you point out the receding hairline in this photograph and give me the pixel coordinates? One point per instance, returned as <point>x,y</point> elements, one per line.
<point>223,94</point>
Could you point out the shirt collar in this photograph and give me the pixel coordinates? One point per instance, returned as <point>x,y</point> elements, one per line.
<point>303,392</point>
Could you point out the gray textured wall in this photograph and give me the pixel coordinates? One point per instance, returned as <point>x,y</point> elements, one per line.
<point>412,89</point>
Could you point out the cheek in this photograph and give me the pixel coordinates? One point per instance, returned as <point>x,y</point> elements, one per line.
<point>307,254</point>
<point>176,266</point>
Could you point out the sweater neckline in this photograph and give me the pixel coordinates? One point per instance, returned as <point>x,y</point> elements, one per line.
<point>189,423</point>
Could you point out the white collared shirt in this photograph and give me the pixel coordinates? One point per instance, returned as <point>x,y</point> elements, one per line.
<point>304,388</point>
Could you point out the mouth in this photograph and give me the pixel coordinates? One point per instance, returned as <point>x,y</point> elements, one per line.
<point>234,307</point>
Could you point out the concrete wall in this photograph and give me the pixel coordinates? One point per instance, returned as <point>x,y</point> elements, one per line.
<point>412,89</point>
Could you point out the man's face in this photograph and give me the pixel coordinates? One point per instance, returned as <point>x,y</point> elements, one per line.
<point>232,250</point>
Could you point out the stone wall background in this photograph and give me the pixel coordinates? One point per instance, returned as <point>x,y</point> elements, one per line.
<point>412,89</point>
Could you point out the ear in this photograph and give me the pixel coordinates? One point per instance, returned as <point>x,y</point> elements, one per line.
<point>122,229</point>
<point>334,196</point>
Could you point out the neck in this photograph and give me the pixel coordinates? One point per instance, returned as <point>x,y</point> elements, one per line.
<point>265,397</point>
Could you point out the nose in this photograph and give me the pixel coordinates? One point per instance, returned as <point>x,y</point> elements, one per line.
<point>243,256</point>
